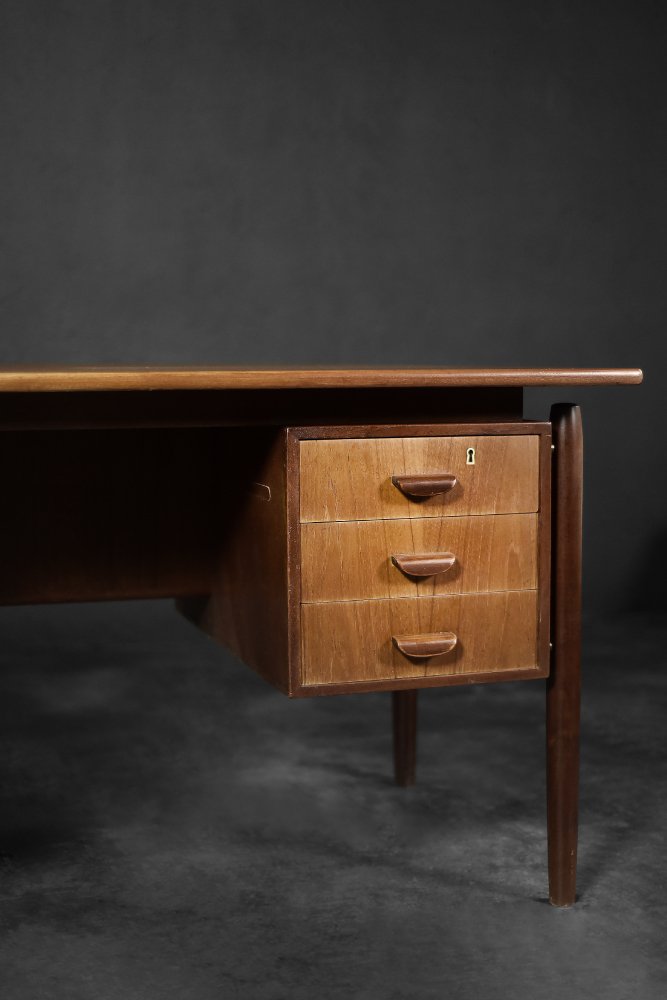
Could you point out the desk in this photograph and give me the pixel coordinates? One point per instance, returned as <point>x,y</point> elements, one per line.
<point>340,530</point>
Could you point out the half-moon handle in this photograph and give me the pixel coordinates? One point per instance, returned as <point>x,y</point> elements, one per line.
<point>421,487</point>
<point>425,563</point>
<point>421,647</point>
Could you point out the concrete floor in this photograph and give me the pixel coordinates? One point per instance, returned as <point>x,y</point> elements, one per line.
<point>172,827</point>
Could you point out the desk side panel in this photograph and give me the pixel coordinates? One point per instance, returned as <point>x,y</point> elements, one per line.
<point>248,608</point>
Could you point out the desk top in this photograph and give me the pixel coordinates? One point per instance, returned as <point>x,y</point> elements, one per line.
<point>149,378</point>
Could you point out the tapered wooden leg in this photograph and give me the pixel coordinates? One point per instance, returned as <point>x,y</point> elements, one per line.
<point>563,685</point>
<point>404,706</point>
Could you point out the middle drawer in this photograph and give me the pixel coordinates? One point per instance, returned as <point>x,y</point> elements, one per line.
<point>361,560</point>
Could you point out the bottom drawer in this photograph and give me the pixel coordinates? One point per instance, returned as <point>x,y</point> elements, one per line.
<point>352,641</point>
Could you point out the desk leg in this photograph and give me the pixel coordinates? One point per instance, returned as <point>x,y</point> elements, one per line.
<point>563,685</point>
<point>404,706</point>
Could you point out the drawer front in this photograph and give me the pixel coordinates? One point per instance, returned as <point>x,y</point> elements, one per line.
<point>348,642</point>
<point>351,479</point>
<point>352,560</point>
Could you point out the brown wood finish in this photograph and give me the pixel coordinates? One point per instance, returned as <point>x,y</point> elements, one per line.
<point>427,564</point>
<point>351,480</point>
<point>351,642</point>
<point>356,560</point>
<point>255,601</point>
<point>542,430</point>
<point>426,645</point>
<point>250,608</point>
<point>431,681</point>
<point>115,485</point>
<point>390,429</point>
<point>544,552</point>
<point>421,487</point>
<point>163,378</point>
<point>404,711</point>
<point>563,686</point>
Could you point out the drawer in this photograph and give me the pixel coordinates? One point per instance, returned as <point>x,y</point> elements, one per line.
<point>355,479</point>
<point>352,560</point>
<point>304,588</point>
<point>353,641</point>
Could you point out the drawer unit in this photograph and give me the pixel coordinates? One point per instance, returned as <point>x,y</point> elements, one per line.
<point>362,558</point>
<point>356,479</point>
<point>356,641</point>
<point>418,557</point>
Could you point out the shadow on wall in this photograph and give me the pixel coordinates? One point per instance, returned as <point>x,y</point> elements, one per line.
<point>649,592</point>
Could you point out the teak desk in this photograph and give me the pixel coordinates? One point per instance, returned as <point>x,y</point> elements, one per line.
<point>340,530</point>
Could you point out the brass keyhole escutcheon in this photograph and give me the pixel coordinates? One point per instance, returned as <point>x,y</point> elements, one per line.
<point>470,456</point>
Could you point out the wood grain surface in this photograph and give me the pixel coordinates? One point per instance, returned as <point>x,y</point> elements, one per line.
<point>248,607</point>
<point>351,560</point>
<point>425,646</point>
<point>52,379</point>
<point>564,684</point>
<point>349,642</point>
<point>350,480</point>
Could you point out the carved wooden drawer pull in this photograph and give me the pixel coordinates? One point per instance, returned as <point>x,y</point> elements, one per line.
<point>421,487</point>
<point>423,646</point>
<point>425,563</point>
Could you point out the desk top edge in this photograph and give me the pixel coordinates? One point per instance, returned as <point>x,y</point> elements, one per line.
<point>114,379</point>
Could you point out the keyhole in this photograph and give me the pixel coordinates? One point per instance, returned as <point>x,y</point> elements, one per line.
<point>470,459</point>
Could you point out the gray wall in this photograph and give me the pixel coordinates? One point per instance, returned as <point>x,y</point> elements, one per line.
<point>353,182</point>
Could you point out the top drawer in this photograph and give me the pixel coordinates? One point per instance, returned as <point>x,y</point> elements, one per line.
<point>350,479</point>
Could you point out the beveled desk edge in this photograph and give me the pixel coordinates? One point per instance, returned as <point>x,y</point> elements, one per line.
<point>55,379</point>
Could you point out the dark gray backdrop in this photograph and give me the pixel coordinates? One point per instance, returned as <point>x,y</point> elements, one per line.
<point>372,182</point>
